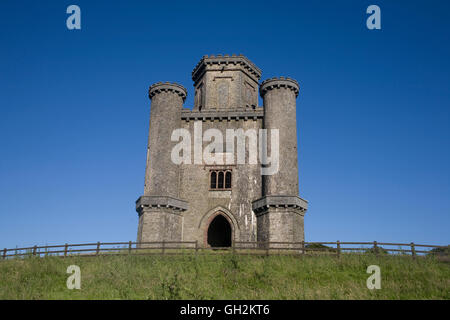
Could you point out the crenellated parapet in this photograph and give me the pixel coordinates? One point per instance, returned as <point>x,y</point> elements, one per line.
<point>225,82</point>
<point>279,82</point>
<point>227,61</point>
<point>167,87</point>
<point>222,115</point>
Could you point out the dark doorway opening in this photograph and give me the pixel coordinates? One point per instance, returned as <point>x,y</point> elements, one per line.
<point>219,232</point>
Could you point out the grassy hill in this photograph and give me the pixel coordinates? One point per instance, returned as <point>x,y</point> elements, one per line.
<point>226,276</point>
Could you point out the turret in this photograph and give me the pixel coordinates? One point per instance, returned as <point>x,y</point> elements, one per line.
<point>160,208</point>
<point>161,176</point>
<point>280,212</point>
<point>279,95</point>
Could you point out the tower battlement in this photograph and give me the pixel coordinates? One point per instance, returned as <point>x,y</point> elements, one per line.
<point>167,87</point>
<point>279,82</point>
<point>229,62</point>
<point>225,82</point>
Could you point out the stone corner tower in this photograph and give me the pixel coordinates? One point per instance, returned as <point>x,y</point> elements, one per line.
<point>160,208</point>
<point>280,211</point>
<point>187,202</point>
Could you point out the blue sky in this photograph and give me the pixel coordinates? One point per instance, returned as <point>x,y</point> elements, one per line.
<point>373,110</point>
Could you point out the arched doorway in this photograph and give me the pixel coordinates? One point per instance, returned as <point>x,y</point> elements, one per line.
<point>219,232</point>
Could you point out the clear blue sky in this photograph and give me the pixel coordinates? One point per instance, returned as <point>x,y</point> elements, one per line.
<point>373,111</point>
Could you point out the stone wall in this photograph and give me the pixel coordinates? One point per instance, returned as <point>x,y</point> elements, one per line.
<point>203,202</point>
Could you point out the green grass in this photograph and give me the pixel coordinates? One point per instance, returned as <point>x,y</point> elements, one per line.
<point>226,276</point>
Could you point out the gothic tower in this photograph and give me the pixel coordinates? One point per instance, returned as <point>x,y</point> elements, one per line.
<point>218,203</point>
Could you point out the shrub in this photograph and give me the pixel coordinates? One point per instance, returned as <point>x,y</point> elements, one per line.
<point>320,247</point>
<point>441,252</point>
<point>377,250</point>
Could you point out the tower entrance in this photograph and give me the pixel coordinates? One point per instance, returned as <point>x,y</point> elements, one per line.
<point>219,232</point>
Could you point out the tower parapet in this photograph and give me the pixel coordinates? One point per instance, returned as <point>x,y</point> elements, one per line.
<point>167,87</point>
<point>281,82</point>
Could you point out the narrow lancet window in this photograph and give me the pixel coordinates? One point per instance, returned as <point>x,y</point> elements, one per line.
<point>228,180</point>
<point>213,180</point>
<point>220,180</point>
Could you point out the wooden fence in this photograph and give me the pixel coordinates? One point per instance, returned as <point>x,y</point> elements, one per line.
<point>238,247</point>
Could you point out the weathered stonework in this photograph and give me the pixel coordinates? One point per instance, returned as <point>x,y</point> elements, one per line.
<point>225,83</point>
<point>178,203</point>
<point>280,218</point>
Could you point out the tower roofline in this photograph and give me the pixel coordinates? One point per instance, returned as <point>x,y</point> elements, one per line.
<point>167,86</point>
<point>226,60</point>
<point>278,82</point>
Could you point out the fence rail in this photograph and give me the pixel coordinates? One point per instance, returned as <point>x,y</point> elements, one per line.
<point>238,247</point>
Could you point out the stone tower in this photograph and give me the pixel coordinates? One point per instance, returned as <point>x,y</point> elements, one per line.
<point>280,211</point>
<point>230,199</point>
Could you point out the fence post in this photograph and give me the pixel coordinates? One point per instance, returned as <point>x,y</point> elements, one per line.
<point>413,250</point>
<point>163,246</point>
<point>34,250</point>
<point>233,248</point>
<point>267,248</point>
<point>375,248</point>
<point>98,248</point>
<point>129,247</point>
<point>303,251</point>
<point>4,253</point>
<point>65,250</point>
<point>338,246</point>
<point>196,246</point>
